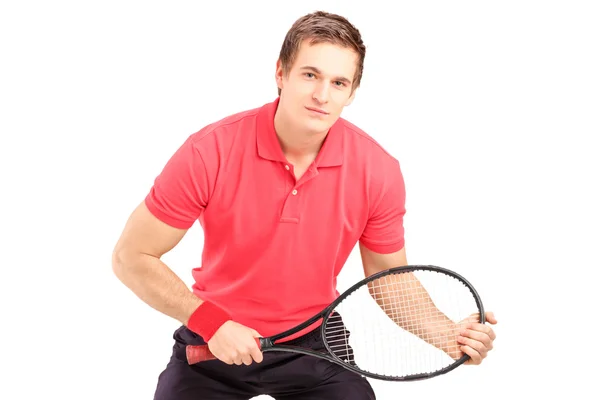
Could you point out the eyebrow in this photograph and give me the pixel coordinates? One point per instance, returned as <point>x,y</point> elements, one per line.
<point>318,71</point>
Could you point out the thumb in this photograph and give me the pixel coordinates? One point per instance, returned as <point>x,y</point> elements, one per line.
<point>255,334</point>
<point>256,337</point>
<point>489,317</point>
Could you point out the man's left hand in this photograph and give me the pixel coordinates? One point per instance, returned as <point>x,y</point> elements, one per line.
<point>477,339</point>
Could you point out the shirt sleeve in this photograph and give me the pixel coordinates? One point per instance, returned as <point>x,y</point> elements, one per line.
<point>384,231</point>
<point>180,192</point>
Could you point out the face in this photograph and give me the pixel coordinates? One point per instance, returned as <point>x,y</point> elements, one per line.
<point>317,87</point>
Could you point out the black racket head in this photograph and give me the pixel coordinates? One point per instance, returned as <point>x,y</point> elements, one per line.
<point>401,324</point>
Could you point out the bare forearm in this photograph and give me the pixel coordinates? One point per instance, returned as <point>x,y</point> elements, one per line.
<point>156,284</point>
<point>407,303</point>
<point>436,329</point>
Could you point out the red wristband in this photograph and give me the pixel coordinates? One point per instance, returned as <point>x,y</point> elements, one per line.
<point>207,319</point>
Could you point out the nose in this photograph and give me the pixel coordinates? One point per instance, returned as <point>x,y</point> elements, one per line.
<point>321,92</point>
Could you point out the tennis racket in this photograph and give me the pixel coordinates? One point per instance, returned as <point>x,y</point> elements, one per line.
<point>397,325</point>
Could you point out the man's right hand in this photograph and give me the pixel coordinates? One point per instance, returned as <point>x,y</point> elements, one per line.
<point>234,343</point>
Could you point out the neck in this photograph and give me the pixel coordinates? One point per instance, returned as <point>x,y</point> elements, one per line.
<point>296,144</point>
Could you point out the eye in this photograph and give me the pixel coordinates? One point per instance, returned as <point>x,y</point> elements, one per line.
<point>309,74</point>
<point>339,83</point>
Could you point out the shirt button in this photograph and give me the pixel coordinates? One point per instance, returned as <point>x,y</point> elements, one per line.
<point>287,167</point>
<point>294,192</point>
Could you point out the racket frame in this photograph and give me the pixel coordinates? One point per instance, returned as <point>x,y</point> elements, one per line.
<point>269,343</point>
<point>404,269</point>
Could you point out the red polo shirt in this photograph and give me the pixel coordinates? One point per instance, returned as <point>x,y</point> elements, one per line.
<point>273,246</point>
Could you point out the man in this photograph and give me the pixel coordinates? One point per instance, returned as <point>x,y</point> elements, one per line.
<point>283,192</point>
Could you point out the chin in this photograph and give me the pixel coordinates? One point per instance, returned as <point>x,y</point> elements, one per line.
<point>318,124</point>
<point>317,127</point>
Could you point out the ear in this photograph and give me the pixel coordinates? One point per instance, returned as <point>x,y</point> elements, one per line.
<point>279,74</point>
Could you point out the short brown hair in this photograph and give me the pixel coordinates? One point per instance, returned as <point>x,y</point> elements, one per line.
<point>322,27</point>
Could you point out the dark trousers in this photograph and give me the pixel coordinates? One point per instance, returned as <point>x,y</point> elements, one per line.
<point>281,375</point>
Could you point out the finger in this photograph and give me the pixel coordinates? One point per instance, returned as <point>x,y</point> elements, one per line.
<point>475,317</point>
<point>235,357</point>
<point>473,344</point>
<point>475,356</point>
<point>226,360</point>
<point>255,334</point>
<point>222,356</point>
<point>255,353</point>
<point>491,318</point>
<point>247,359</point>
<point>479,336</point>
<point>482,328</point>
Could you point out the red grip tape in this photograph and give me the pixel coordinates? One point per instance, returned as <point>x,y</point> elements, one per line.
<point>196,354</point>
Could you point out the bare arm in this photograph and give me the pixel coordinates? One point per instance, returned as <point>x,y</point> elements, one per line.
<point>375,262</point>
<point>136,262</point>
<point>437,330</point>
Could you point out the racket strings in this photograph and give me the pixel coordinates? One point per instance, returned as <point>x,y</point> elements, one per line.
<point>402,324</point>
<point>411,307</point>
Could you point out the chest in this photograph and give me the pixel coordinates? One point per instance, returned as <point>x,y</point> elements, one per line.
<point>255,204</point>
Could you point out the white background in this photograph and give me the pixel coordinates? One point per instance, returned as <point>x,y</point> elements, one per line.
<point>492,109</point>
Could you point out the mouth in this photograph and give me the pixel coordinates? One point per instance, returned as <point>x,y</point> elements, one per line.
<point>316,110</point>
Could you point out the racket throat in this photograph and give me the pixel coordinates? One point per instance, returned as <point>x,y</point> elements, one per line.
<point>265,343</point>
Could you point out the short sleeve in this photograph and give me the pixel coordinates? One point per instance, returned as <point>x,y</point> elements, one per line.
<point>179,194</point>
<point>384,231</point>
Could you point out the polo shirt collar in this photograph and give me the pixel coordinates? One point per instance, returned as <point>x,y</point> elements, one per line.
<point>268,147</point>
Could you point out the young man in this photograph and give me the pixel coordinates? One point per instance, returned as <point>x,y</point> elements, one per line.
<point>283,192</point>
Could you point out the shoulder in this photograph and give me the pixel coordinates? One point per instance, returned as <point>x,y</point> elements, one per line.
<point>370,163</point>
<point>225,127</point>
<point>364,148</point>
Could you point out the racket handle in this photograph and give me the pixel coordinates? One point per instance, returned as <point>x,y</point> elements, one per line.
<point>199,353</point>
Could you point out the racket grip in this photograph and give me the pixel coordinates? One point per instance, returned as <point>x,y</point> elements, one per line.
<point>199,353</point>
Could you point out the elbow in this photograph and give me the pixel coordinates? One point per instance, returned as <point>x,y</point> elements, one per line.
<point>117,263</point>
<point>120,263</point>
